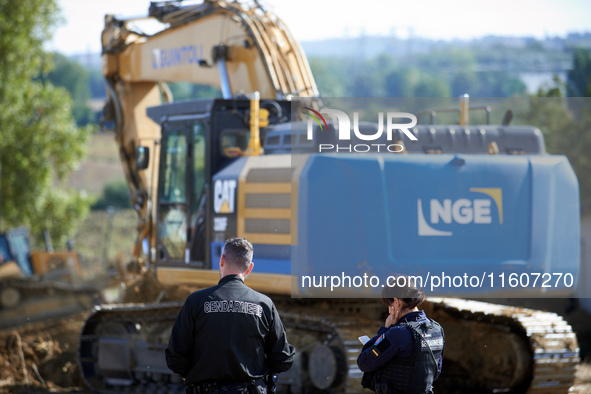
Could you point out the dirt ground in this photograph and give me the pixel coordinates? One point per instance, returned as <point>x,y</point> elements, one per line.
<point>41,356</point>
<point>583,380</point>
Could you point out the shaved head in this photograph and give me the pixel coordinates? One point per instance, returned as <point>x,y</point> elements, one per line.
<point>238,253</point>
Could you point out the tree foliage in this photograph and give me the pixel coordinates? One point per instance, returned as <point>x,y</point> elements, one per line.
<point>115,194</point>
<point>96,83</point>
<point>565,123</point>
<point>39,139</point>
<point>435,74</point>
<point>75,79</point>
<point>188,91</point>
<point>579,78</point>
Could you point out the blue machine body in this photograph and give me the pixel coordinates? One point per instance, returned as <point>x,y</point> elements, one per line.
<point>444,215</point>
<point>505,224</point>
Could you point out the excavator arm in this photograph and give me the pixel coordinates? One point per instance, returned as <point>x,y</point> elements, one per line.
<point>235,47</point>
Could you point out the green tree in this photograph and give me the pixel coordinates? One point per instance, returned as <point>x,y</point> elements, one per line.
<point>115,194</point>
<point>330,76</point>
<point>566,132</point>
<point>39,140</point>
<point>188,91</point>
<point>96,82</point>
<point>579,78</point>
<point>75,79</point>
<point>367,83</point>
<point>499,84</point>
<point>401,82</point>
<point>431,86</point>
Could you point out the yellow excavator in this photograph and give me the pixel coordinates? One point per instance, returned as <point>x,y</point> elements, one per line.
<point>248,165</point>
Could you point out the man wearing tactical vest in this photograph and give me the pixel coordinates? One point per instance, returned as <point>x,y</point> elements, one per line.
<point>406,354</point>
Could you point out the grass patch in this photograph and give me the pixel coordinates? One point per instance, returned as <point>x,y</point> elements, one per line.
<point>90,239</point>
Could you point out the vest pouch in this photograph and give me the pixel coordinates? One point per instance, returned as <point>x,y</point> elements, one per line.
<point>382,388</point>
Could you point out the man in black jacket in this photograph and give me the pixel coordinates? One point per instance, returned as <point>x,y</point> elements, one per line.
<point>227,338</point>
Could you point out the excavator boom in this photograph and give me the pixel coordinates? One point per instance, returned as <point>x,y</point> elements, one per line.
<point>237,48</point>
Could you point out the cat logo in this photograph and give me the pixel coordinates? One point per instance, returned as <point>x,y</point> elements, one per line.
<point>224,192</point>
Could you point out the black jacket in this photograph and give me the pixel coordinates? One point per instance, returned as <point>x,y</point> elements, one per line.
<point>404,358</point>
<point>228,333</point>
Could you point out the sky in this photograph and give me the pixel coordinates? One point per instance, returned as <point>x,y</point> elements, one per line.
<point>319,19</point>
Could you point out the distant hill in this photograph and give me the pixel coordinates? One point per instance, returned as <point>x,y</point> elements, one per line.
<point>372,46</point>
<point>533,61</point>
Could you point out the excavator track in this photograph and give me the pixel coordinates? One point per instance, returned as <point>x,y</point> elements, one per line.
<point>122,347</point>
<point>347,331</point>
<point>527,350</point>
<point>120,344</point>
<point>539,348</point>
<point>24,301</point>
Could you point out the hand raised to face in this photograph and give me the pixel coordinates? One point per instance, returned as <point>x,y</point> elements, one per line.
<point>394,314</point>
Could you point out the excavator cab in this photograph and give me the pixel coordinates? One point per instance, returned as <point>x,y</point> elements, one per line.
<point>199,139</point>
<point>184,168</point>
<point>182,174</point>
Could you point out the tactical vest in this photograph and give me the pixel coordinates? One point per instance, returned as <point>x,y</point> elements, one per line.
<point>414,374</point>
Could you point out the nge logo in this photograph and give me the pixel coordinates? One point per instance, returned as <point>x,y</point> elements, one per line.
<point>461,211</point>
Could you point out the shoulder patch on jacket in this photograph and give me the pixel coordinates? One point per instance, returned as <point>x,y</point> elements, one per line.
<point>380,345</point>
<point>379,339</point>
